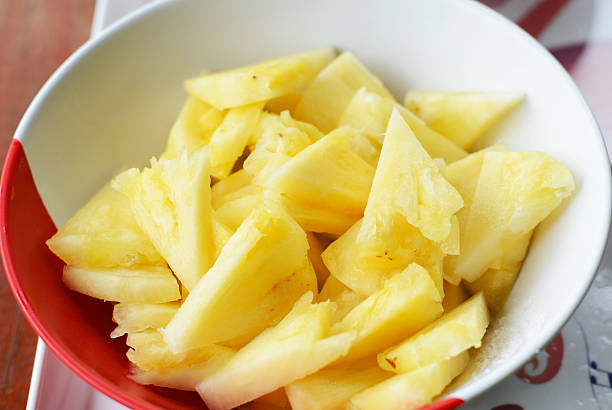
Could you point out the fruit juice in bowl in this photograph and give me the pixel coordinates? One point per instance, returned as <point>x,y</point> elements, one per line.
<point>297,220</point>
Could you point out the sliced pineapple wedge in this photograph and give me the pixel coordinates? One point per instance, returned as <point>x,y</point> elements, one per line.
<point>408,302</point>
<point>456,331</point>
<point>171,201</point>
<point>136,317</point>
<point>149,351</point>
<point>231,137</point>
<point>183,376</point>
<point>222,191</point>
<point>410,390</point>
<point>330,92</point>
<point>344,298</point>
<point>326,175</point>
<point>461,116</point>
<point>138,284</point>
<point>235,211</point>
<point>267,248</point>
<point>407,186</point>
<point>369,113</point>
<point>188,132</point>
<point>104,234</point>
<point>210,121</point>
<point>298,346</point>
<point>515,192</point>
<point>260,82</point>
<point>332,387</point>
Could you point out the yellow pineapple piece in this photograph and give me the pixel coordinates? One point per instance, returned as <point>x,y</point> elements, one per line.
<point>408,301</point>
<point>408,187</point>
<point>365,149</point>
<point>314,254</point>
<point>461,116</point>
<point>410,390</point>
<point>326,175</point>
<point>104,234</point>
<point>286,102</point>
<point>260,82</point>
<point>344,298</point>
<point>138,284</point>
<point>515,192</point>
<point>210,121</point>
<point>230,139</point>
<point>222,190</point>
<point>234,212</point>
<point>332,387</point>
<point>369,113</point>
<point>313,219</point>
<point>454,295</point>
<point>188,133</point>
<point>452,244</point>
<point>408,245</point>
<point>267,241</point>
<point>184,376</point>
<point>136,317</point>
<point>298,346</point>
<point>149,351</point>
<point>456,331</point>
<point>330,92</point>
<point>171,201</point>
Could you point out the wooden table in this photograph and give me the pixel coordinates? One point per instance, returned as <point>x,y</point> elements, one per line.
<point>37,36</point>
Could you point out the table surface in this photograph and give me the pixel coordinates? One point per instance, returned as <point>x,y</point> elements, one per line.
<point>45,32</point>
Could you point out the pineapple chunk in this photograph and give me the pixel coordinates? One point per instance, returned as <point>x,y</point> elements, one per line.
<point>454,295</point>
<point>234,212</point>
<point>408,302</point>
<point>210,121</point>
<point>326,175</point>
<point>149,351</point>
<point>461,116</point>
<point>314,255</point>
<point>332,387</point>
<point>452,244</point>
<point>515,192</point>
<point>344,298</point>
<point>330,92</point>
<point>267,248</point>
<point>407,187</point>
<point>136,317</point>
<point>453,333</point>
<point>222,189</point>
<point>367,150</point>
<point>104,234</point>
<point>342,259</point>
<point>298,346</point>
<point>221,234</point>
<point>185,376</point>
<point>410,390</point>
<point>245,191</point>
<point>313,219</point>
<point>171,201</point>
<point>260,82</point>
<point>369,113</point>
<point>188,133</point>
<point>496,285</point>
<point>230,139</point>
<point>138,284</point>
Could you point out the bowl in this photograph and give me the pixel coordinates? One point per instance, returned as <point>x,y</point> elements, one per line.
<point>111,104</point>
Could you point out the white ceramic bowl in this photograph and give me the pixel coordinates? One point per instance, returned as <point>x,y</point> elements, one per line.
<point>111,105</point>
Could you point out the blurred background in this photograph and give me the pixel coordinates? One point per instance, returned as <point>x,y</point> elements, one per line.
<point>38,35</point>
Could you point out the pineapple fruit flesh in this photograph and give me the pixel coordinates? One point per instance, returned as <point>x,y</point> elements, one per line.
<point>410,390</point>
<point>344,298</point>
<point>171,201</point>
<point>267,248</point>
<point>408,301</point>
<point>332,387</point>
<point>454,295</point>
<point>234,212</point>
<point>104,234</point>
<point>228,186</point>
<point>369,113</point>
<point>138,284</point>
<point>461,116</point>
<point>136,317</point>
<point>456,331</point>
<point>188,133</point>
<point>329,93</point>
<point>260,82</point>
<point>298,346</point>
<point>514,193</point>
<point>326,175</point>
<point>230,139</point>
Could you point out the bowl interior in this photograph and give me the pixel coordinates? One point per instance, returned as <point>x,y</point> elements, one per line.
<point>111,105</point>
